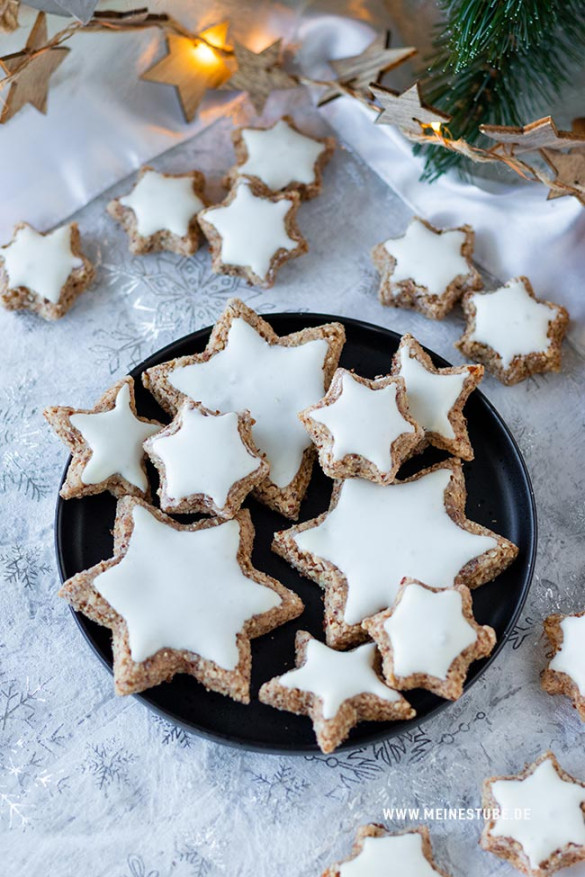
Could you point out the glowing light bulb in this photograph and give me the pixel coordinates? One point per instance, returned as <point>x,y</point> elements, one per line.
<point>204,56</point>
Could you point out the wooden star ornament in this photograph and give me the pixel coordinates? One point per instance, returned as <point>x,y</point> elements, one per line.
<point>407,109</point>
<point>30,71</point>
<point>9,15</point>
<point>192,66</point>
<point>259,73</point>
<point>541,134</point>
<point>570,170</point>
<point>359,71</point>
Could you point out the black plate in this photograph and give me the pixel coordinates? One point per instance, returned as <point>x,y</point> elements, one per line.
<point>500,496</point>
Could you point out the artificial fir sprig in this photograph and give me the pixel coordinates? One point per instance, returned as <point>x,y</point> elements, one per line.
<point>497,62</point>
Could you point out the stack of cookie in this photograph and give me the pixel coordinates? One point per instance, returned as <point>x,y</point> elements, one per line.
<point>395,558</point>
<point>185,597</point>
<point>253,231</point>
<point>250,415</point>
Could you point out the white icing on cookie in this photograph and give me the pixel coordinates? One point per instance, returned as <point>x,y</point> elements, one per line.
<point>336,676</point>
<point>206,455</point>
<point>280,155</point>
<point>252,229</point>
<point>42,263</point>
<point>181,589</point>
<point>570,658</point>
<point>429,259</point>
<point>401,854</point>
<point>378,534</point>
<point>163,204</point>
<point>364,421</point>
<point>511,322</point>
<point>428,631</point>
<point>542,812</point>
<point>115,438</point>
<point>272,381</point>
<point>430,396</point>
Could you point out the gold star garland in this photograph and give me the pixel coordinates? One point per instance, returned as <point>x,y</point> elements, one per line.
<point>257,74</point>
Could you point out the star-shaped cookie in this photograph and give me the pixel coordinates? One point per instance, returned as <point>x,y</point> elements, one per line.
<point>206,462</point>
<point>436,396</point>
<point>536,819</point>
<point>373,536</point>
<point>105,444</point>
<point>247,366</point>
<point>429,638</point>
<point>426,269</point>
<point>181,599</point>
<point>513,333</point>
<point>565,673</point>
<point>259,73</point>
<point>336,689</point>
<point>363,428</point>
<point>252,234</point>
<point>281,158</point>
<point>160,213</point>
<point>44,273</point>
<point>376,851</point>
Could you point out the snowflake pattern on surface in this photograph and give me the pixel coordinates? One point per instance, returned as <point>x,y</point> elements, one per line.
<point>87,776</point>
<point>108,763</point>
<point>23,565</point>
<point>135,867</point>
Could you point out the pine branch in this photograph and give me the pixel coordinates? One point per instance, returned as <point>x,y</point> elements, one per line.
<point>497,62</point>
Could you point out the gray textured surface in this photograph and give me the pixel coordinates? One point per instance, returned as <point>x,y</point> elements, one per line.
<point>95,785</point>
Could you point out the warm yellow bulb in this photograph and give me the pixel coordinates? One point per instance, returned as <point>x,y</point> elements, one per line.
<point>216,35</point>
<point>204,56</point>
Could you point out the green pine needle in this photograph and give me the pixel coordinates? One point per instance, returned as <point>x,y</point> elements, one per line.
<point>495,62</point>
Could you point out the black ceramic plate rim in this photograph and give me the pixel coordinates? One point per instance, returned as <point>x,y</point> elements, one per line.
<point>217,737</point>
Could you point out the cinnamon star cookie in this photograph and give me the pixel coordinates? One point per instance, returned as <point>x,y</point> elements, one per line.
<point>513,333</point>
<point>363,428</point>
<point>247,366</point>
<point>105,443</point>
<point>536,819</point>
<point>336,689</point>
<point>252,234</point>
<point>378,853</point>
<point>373,536</point>
<point>160,213</point>
<point>426,269</point>
<point>436,396</point>
<point>206,462</point>
<point>281,158</point>
<point>429,638</point>
<point>44,273</point>
<point>181,599</point>
<point>565,673</point>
